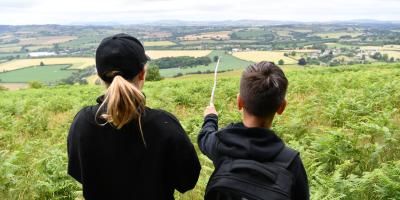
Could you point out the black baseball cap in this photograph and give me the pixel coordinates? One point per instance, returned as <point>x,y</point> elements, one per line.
<point>121,53</point>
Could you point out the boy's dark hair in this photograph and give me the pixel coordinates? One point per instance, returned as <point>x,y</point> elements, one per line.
<point>263,88</point>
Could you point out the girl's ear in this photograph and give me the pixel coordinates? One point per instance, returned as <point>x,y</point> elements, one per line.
<point>239,102</point>
<point>142,74</point>
<point>282,107</point>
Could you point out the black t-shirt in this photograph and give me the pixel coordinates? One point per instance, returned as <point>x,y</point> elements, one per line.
<point>115,164</point>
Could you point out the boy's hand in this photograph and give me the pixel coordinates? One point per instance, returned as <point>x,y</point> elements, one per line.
<point>210,110</point>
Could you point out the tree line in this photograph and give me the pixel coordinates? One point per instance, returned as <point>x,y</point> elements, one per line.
<point>181,61</point>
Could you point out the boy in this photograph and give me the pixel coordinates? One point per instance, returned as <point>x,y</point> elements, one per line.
<point>262,95</point>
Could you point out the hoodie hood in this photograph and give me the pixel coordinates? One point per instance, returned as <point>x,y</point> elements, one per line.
<point>259,144</point>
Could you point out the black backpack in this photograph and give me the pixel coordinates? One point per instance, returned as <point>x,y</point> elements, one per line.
<point>241,179</point>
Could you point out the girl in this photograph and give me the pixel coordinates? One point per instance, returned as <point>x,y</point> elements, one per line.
<point>121,149</point>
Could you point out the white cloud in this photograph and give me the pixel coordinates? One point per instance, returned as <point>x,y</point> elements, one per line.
<point>67,11</point>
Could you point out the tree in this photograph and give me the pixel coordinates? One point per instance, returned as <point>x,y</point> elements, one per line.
<point>35,84</point>
<point>2,88</point>
<point>334,63</point>
<point>181,61</point>
<point>83,81</point>
<point>153,73</point>
<point>56,48</point>
<point>385,57</point>
<point>391,59</point>
<point>293,53</point>
<point>377,56</point>
<point>215,58</point>
<point>234,36</point>
<point>302,61</point>
<point>178,75</point>
<point>41,63</point>
<point>281,62</point>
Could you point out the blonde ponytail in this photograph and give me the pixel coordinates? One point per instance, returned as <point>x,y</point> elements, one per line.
<point>125,102</point>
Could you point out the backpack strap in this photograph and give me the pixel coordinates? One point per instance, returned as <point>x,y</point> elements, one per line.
<point>285,157</point>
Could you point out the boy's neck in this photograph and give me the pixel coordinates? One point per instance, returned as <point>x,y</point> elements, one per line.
<point>251,121</point>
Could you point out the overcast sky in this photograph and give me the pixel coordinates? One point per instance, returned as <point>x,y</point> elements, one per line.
<point>125,11</point>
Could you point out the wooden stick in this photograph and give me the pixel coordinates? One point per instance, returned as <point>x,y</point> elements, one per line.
<point>215,83</point>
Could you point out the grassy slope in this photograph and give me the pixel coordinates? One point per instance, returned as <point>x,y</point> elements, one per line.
<point>228,62</point>
<point>345,121</point>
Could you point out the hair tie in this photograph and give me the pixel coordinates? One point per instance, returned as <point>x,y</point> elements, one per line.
<point>118,73</point>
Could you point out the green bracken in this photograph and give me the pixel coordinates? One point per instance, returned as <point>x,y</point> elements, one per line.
<point>345,121</point>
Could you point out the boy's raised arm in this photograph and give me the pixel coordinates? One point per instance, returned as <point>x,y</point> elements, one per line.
<point>207,139</point>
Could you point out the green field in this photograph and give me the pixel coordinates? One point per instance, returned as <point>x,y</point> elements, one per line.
<point>84,42</point>
<point>338,45</point>
<point>47,74</point>
<point>228,62</point>
<point>6,55</point>
<point>345,121</point>
<point>250,34</point>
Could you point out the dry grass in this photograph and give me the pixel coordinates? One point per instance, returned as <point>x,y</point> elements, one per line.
<point>338,34</point>
<point>258,56</point>
<point>159,43</point>
<point>14,86</point>
<point>76,62</point>
<point>175,53</point>
<point>394,54</point>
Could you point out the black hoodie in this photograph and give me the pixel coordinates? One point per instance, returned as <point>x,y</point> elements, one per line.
<point>115,164</point>
<point>260,144</point>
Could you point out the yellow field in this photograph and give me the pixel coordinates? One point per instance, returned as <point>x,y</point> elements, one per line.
<point>394,54</point>
<point>10,49</point>
<point>338,34</point>
<point>159,43</point>
<point>283,33</point>
<point>223,35</point>
<point>155,54</point>
<point>257,56</point>
<point>382,48</point>
<point>48,40</point>
<point>300,51</point>
<point>77,63</point>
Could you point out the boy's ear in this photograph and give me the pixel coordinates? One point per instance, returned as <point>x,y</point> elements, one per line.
<point>282,107</point>
<point>239,102</point>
